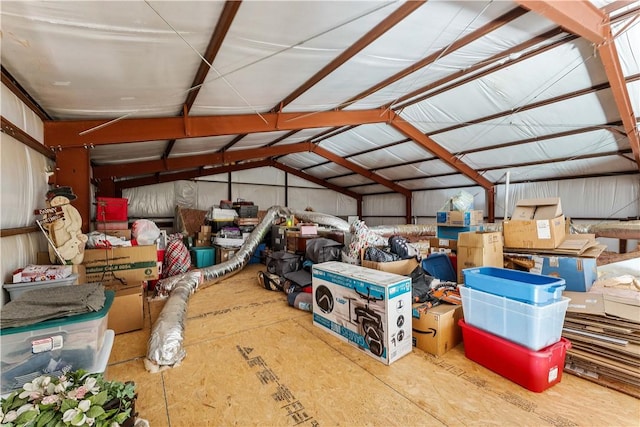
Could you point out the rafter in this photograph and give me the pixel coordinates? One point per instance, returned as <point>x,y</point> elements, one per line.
<point>80,133</point>
<point>580,17</point>
<point>315,180</point>
<point>360,170</point>
<point>587,21</point>
<point>458,44</point>
<point>190,162</point>
<point>389,22</point>
<point>190,174</point>
<point>412,132</point>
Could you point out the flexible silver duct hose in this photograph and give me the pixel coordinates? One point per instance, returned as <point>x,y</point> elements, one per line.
<point>405,230</point>
<point>165,343</point>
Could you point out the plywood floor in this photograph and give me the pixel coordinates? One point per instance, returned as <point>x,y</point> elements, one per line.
<point>254,361</point>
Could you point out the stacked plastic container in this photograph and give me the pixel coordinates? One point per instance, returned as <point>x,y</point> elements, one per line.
<point>513,324</point>
<point>81,341</point>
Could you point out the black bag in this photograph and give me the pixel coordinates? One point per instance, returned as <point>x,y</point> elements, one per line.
<point>322,249</point>
<point>378,255</point>
<point>283,262</point>
<point>420,285</point>
<point>269,281</point>
<point>401,247</point>
<point>297,281</point>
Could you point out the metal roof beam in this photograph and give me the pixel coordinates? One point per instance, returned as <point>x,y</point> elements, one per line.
<point>578,17</point>
<point>587,21</point>
<point>449,158</point>
<point>385,25</point>
<point>315,180</point>
<point>82,133</point>
<point>190,162</point>
<point>186,175</point>
<point>360,170</point>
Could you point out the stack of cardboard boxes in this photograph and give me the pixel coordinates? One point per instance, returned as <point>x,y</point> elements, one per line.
<point>536,240</point>
<point>124,270</point>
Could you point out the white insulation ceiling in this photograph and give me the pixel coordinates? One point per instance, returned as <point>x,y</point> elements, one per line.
<point>493,85</point>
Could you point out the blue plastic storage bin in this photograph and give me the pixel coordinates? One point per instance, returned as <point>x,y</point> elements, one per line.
<point>451,233</point>
<point>439,266</point>
<point>203,256</point>
<point>527,287</point>
<point>532,326</point>
<point>256,258</point>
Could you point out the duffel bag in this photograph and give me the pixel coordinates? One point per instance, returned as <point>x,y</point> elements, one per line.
<point>283,262</point>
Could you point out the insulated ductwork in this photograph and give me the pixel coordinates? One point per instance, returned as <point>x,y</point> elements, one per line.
<point>165,344</point>
<point>405,230</point>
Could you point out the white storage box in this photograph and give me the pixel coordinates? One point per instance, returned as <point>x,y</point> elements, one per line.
<point>532,326</point>
<point>368,308</point>
<point>17,289</point>
<point>47,347</point>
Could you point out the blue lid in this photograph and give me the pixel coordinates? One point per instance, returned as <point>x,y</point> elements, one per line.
<point>84,317</point>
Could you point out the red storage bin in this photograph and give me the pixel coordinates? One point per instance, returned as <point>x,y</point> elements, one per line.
<point>111,209</point>
<point>533,370</point>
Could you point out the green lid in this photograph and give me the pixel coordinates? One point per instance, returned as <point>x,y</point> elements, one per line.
<point>63,321</point>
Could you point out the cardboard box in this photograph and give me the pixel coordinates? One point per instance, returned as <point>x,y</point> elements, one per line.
<point>199,243</point>
<point>440,245</point>
<point>546,208</point>
<point>436,329</point>
<point>112,225</point>
<point>585,302</point>
<point>368,309</point>
<point>478,249</point>
<point>202,235</point>
<point>579,273</point>
<point>130,264</point>
<point>127,313</point>
<point>459,218</point>
<point>602,304</point>
<point>224,254</point>
<point>403,267</point>
<point>535,224</point>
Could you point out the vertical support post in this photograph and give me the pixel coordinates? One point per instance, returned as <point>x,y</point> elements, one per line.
<point>491,204</point>
<point>286,189</point>
<point>74,170</point>
<point>408,209</point>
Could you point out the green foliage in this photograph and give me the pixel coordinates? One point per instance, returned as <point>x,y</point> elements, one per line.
<point>74,399</point>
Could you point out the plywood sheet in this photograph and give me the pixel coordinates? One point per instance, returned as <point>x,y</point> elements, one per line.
<point>253,360</point>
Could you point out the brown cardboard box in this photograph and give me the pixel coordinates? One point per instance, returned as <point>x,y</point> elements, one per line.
<point>597,302</point>
<point>130,264</point>
<point>403,267</point>
<point>535,224</point>
<point>126,313</point>
<point>460,218</point>
<point>479,249</point>
<point>436,329</point>
<point>438,244</point>
<point>81,271</point>
<point>585,302</point>
<point>224,254</point>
